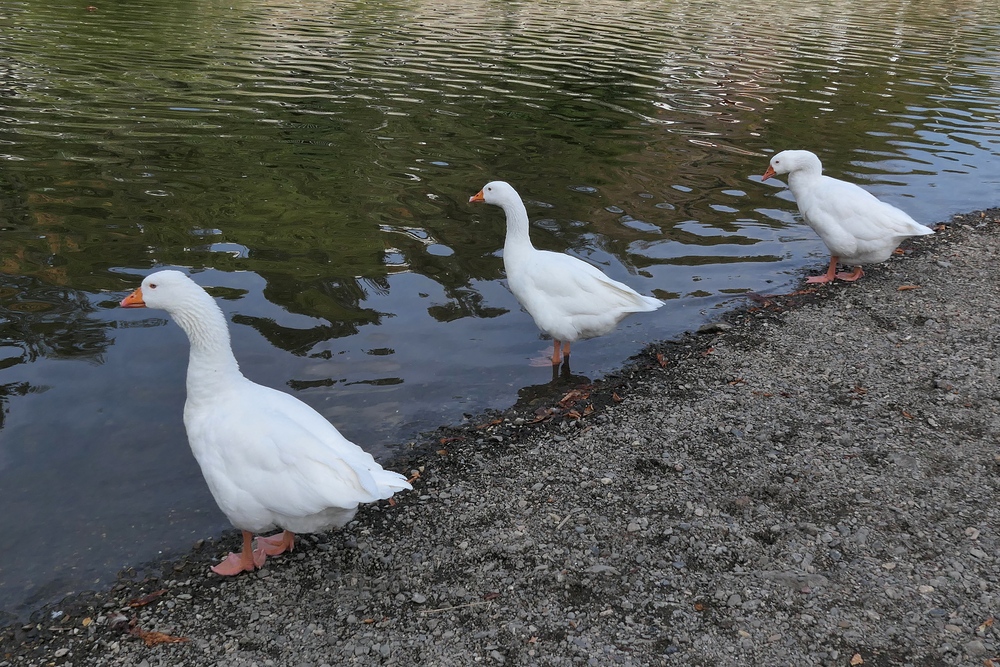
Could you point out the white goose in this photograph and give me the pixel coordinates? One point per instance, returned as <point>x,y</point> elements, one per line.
<point>854,225</point>
<point>269,459</point>
<point>568,298</point>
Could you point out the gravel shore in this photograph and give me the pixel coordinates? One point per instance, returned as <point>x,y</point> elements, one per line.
<point>813,481</point>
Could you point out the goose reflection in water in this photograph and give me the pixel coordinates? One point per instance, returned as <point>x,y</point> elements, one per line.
<point>541,397</point>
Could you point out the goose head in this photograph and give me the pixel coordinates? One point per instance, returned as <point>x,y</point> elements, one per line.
<point>497,193</point>
<point>168,290</point>
<point>787,162</point>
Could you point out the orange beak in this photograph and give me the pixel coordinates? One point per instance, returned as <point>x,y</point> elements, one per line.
<point>478,197</point>
<point>134,300</point>
<point>767,174</point>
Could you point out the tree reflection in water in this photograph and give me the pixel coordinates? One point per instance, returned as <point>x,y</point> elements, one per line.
<point>41,320</point>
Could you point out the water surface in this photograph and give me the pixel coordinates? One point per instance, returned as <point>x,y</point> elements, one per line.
<point>312,162</point>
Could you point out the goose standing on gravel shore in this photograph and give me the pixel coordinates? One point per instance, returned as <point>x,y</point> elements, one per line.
<point>269,459</point>
<point>568,298</point>
<point>855,226</point>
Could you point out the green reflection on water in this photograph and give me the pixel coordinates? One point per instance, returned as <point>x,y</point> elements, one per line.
<point>326,147</point>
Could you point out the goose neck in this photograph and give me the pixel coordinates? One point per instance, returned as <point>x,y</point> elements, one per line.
<point>211,362</point>
<point>802,178</point>
<point>517,224</point>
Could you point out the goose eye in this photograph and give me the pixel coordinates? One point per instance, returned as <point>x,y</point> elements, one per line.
<point>152,285</point>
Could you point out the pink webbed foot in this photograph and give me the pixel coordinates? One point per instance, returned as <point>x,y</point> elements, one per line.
<point>831,273</point>
<point>852,276</point>
<point>556,358</point>
<point>245,561</point>
<point>235,563</point>
<point>541,361</point>
<point>276,544</point>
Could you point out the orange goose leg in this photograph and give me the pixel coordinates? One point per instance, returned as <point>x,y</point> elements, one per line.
<point>556,358</point>
<point>830,274</point>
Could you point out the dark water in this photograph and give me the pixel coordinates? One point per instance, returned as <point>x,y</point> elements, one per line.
<point>312,162</point>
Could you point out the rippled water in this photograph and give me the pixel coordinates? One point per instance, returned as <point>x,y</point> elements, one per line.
<point>312,163</point>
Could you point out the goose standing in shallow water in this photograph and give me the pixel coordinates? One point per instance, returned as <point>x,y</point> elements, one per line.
<point>269,459</point>
<point>568,298</point>
<point>855,226</point>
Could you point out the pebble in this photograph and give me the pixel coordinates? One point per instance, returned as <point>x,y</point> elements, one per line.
<point>975,648</point>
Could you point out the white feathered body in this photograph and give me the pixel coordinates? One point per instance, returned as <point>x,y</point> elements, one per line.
<point>856,226</point>
<point>568,298</point>
<point>269,459</point>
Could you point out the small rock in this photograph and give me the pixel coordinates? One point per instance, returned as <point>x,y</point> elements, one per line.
<point>975,648</point>
<point>714,327</point>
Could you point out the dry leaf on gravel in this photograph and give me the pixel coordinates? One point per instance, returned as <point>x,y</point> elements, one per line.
<point>146,599</point>
<point>573,396</point>
<point>152,638</point>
